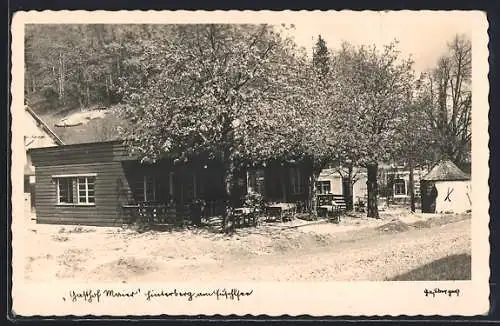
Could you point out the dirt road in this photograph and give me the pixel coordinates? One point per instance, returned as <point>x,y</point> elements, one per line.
<point>376,258</point>
<point>376,253</point>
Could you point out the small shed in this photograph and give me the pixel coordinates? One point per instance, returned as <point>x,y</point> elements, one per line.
<point>446,189</point>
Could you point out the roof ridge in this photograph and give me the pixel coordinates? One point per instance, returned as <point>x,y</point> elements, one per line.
<point>44,125</point>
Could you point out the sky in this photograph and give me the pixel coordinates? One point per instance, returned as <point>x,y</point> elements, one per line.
<point>423,36</point>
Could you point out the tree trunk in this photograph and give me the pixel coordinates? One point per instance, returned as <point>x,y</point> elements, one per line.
<point>348,188</point>
<point>107,89</point>
<point>61,79</point>
<point>412,188</point>
<point>87,93</point>
<point>372,190</point>
<point>229,183</point>
<point>312,193</point>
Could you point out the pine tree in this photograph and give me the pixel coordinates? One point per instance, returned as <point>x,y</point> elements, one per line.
<point>321,59</point>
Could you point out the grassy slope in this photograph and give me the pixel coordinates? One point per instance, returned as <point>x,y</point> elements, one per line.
<point>455,267</point>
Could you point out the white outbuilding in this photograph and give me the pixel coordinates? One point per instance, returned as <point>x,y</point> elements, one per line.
<point>446,189</point>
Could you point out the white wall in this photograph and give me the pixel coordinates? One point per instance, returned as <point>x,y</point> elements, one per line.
<point>360,188</point>
<point>34,136</point>
<point>458,201</point>
<point>335,182</point>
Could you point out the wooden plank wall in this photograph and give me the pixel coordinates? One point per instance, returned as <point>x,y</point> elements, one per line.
<point>116,179</point>
<point>81,153</point>
<point>112,190</point>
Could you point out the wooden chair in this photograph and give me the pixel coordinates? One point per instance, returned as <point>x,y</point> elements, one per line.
<point>331,206</point>
<point>360,205</point>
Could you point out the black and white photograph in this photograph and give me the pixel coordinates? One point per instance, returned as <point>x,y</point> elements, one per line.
<point>163,153</point>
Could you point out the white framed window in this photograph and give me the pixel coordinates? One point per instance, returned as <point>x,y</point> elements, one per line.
<point>75,189</point>
<point>323,187</point>
<point>86,190</point>
<point>255,181</point>
<point>399,187</point>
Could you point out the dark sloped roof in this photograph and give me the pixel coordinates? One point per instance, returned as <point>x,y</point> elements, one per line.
<point>44,126</point>
<point>445,171</point>
<point>96,130</point>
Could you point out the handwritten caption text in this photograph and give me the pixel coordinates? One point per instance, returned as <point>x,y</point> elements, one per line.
<point>97,295</point>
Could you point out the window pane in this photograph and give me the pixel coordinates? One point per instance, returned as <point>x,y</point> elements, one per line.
<point>71,189</point>
<point>150,195</point>
<point>65,190</point>
<point>326,187</point>
<point>399,187</point>
<point>259,181</point>
<point>251,181</point>
<point>91,200</point>
<point>150,192</point>
<point>139,189</point>
<point>322,187</point>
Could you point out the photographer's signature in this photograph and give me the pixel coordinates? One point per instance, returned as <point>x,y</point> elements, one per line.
<point>437,291</point>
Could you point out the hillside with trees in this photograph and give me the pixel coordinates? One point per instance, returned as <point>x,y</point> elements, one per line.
<point>74,66</point>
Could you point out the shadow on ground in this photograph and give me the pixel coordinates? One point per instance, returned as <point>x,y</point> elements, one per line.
<point>213,225</point>
<point>456,267</point>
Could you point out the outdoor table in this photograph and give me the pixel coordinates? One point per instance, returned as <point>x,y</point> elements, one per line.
<point>281,209</point>
<point>331,210</point>
<point>243,212</point>
<point>151,213</point>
